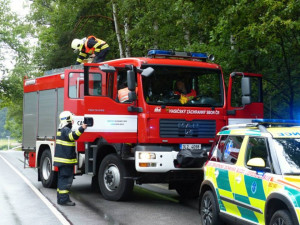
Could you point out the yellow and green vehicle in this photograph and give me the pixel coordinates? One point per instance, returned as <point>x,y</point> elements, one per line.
<point>252,175</point>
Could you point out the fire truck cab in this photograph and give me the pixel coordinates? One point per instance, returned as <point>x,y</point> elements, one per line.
<point>159,133</point>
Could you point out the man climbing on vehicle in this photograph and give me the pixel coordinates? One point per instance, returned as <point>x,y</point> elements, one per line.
<point>91,46</point>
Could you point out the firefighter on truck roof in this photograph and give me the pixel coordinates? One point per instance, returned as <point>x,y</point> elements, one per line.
<point>65,156</point>
<point>90,46</point>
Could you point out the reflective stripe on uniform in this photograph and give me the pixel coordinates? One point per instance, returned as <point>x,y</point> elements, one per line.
<point>65,143</point>
<point>123,94</point>
<point>77,132</point>
<point>83,54</point>
<point>58,133</point>
<point>62,191</point>
<point>63,160</point>
<point>71,136</point>
<point>96,45</point>
<point>103,47</point>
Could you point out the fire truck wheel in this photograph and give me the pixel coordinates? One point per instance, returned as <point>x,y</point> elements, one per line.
<point>47,175</point>
<point>112,182</point>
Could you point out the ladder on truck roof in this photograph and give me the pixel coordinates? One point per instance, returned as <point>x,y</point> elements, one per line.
<point>62,70</point>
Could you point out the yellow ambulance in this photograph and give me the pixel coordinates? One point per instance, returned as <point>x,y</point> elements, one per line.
<point>252,175</point>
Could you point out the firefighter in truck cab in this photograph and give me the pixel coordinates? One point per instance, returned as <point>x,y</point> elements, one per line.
<point>65,156</point>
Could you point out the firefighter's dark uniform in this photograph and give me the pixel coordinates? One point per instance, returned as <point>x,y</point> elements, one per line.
<point>65,159</point>
<point>93,45</point>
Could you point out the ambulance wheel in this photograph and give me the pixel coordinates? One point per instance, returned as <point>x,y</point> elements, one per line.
<point>208,210</point>
<point>112,179</point>
<point>47,175</point>
<point>281,217</point>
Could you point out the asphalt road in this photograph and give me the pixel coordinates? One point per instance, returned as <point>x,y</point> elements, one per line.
<point>23,200</point>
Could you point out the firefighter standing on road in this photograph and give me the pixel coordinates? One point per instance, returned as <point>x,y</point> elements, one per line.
<point>65,156</point>
<point>90,46</point>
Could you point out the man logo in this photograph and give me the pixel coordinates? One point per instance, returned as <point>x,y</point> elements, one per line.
<point>157,109</point>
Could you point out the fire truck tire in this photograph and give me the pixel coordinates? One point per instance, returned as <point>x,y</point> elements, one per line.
<point>47,175</point>
<point>112,182</point>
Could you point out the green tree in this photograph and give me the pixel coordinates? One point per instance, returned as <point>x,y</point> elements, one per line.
<point>14,40</point>
<point>259,36</point>
<point>3,131</point>
<point>263,36</point>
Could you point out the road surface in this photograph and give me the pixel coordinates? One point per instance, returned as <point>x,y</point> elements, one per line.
<point>23,200</point>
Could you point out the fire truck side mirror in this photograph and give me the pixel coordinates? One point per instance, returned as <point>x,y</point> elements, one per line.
<point>107,69</point>
<point>246,90</point>
<point>132,96</point>
<point>147,72</point>
<point>131,80</point>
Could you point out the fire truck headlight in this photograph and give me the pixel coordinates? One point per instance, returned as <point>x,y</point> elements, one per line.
<point>147,155</point>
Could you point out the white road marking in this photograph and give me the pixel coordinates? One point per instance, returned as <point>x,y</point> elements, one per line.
<point>58,215</point>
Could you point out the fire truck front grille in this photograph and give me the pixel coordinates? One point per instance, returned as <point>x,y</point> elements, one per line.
<point>169,128</point>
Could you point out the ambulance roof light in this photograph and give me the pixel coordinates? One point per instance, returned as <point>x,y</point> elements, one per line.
<point>175,54</point>
<point>276,121</point>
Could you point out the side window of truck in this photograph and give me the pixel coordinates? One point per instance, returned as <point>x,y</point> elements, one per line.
<point>95,84</point>
<point>231,149</point>
<point>236,100</point>
<point>76,85</point>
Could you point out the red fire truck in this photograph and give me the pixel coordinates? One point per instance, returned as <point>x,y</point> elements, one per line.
<point>160,134</point>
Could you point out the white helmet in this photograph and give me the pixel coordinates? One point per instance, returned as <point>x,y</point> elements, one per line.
<point>77,44</point>
<point>65,118</point>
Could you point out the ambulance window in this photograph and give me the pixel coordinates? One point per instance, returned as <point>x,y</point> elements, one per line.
<point>95,83</point>
<point>218,150</point>
<point>76,85</point>
<point>231,149</point>
<point>257,148</point>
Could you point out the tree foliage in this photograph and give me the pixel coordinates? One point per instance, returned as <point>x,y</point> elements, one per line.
<point>260,36</point>
<point>14,46</point>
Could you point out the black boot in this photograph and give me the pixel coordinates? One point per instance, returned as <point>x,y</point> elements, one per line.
<point>70,203</point>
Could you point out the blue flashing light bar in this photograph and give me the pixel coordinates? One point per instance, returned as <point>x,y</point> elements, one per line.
<point>275,121</point>
<point>170,53</point>
<point>199,55</point>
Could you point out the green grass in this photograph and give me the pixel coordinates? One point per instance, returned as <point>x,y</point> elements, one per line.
<point>12,144</point>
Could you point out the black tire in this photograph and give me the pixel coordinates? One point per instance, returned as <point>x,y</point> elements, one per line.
<point>112,179</point>
<point>188,190</point>
<point>47,175</point>
<point>209,210</point>
<point>281,217</point>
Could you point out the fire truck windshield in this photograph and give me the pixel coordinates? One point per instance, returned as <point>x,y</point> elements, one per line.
<point>188,86</point>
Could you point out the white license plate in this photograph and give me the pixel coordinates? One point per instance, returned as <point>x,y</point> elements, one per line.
<point>190,146</point>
